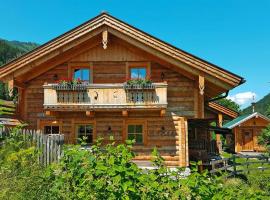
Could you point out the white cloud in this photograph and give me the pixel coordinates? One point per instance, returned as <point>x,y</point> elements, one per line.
<point>243,98</point>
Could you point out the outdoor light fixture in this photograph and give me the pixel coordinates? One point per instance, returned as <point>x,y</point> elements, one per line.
<point>162,76</point>
<point>55,77</point>
<point>109,128</point>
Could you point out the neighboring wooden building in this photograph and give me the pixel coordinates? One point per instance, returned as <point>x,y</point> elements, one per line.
<point>105,52</point>
<point>246,130</point>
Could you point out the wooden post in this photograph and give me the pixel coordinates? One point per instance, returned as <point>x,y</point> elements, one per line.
<point>10,87</point>
<point>218,140</point>
<point>201,85</point>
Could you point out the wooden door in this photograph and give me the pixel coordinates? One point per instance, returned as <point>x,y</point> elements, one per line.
<point>247,138</point>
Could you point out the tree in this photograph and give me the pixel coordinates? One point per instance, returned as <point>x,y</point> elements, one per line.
<point>264,138</point>
<point>229,104</point>
<point>268,111</point>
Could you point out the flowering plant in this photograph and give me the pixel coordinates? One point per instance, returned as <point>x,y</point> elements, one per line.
<point>69,82</point>
<point>138,81</point>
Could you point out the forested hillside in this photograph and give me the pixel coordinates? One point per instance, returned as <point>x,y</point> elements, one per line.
<point>261,106</point>
<point>10,50</point>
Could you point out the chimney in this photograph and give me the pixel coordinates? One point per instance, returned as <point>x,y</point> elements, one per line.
<point>253,104</point>
<point>253,107</point>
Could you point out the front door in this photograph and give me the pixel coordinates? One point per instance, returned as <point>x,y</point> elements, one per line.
<point>247,138</point>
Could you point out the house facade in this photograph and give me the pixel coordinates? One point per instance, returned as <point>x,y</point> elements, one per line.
<point>246,129</point>
<point>105,54</point>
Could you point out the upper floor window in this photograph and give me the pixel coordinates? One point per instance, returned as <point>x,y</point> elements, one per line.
<point>82,73</point>
<point>138,70</point>
<point>138,73</point>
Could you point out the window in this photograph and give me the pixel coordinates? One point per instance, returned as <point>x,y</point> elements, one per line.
<point>82,73</point>
<point>51,129</point>
<point>85,133</point>
<point>138,72</point>
<point>135,132</point>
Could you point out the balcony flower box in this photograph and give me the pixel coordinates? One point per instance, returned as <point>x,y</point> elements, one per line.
<point>139,84</point>
<point>70,85</point>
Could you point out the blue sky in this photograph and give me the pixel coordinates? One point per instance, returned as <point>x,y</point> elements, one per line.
<point>233,34</point>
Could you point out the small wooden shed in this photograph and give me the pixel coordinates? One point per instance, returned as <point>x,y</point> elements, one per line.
<point>246,129</point>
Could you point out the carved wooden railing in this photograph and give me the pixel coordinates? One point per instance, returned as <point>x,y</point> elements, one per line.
<point>98,96</point>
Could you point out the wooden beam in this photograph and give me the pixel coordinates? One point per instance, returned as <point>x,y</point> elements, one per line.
<point>48,113</point>
<point>90,113</point>
<point>10,87</point>
<point>125,113</point>
<point>19,84</point>
<point>201,87</point>
<point>220,120</point>
<point>105,39</point>
<point>162,112</point>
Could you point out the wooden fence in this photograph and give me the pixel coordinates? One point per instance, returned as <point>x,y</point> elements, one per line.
<point>247,165</point>
<point>50,146</point>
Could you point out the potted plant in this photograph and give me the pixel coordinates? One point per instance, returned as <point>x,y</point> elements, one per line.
<point>138,83</point>
<point>70,84</point>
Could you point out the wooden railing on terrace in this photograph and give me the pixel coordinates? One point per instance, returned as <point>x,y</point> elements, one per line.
<point>210,147</point>
<point>100,96</point>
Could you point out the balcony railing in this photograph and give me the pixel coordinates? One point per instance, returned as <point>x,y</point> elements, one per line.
<point>103,96</point>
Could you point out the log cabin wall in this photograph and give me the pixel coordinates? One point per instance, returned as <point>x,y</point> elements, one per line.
<point>168,133</point>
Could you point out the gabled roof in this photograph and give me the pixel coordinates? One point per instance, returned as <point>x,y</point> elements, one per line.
<point>241,119</point>
<point>115,26</point>
<point>224,110</point>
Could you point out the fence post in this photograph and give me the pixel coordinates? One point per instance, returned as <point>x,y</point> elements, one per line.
<point>234,165</point>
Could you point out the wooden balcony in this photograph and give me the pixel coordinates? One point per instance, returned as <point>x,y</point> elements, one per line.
<point>104,96</point>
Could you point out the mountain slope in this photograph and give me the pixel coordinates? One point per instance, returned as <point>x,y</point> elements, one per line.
<point>10,50</point>
<point>261,106</point>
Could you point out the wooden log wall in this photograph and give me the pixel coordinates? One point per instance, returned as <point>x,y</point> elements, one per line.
<point>109,66</point>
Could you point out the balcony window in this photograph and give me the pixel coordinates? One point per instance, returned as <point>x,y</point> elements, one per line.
<point>138,73</point>
<point>82,74</point>
<point>51,130</point>
<point>135,132</point>
<point>85,133</point>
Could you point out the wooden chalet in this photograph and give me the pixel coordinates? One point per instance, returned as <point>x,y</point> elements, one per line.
<point>105,52</point>
<point>246,129</point>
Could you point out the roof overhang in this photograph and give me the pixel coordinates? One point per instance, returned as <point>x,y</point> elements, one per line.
<point>69,40</point>
<point>248,117</point>
<point>217,108</point>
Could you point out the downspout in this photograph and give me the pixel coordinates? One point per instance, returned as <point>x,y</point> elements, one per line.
<point>227,93</point>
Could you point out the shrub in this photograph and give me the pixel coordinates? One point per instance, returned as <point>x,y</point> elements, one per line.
<point>106,172</point>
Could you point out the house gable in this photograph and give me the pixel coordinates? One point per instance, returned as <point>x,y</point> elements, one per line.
<point>48,54</point>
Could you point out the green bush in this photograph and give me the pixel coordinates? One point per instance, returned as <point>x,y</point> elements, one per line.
<point>106,172</point>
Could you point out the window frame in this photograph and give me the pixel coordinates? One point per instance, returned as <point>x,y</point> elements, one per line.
<point>130,65</point>
<point>84,124</point>
<point>144,130</point>
<point>55,125</point>
<point>41,125</point>
<point>75,123</point>
<point>78,65</point>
